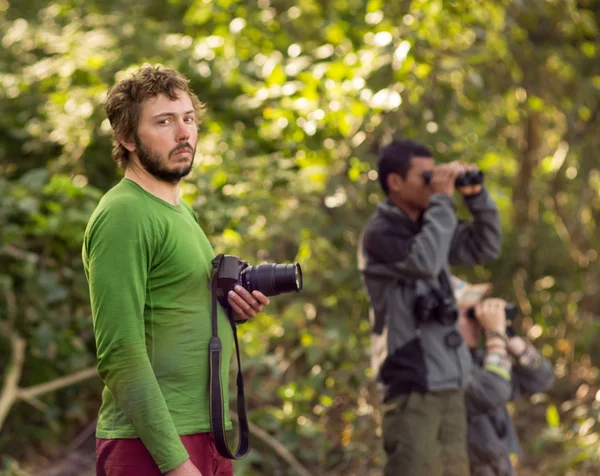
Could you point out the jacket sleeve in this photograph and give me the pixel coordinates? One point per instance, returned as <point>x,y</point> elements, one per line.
<point>532,373</point>
<point>118,253</point>
<point>421,257</point>
<point>479,240</point>
<point>488,388</point>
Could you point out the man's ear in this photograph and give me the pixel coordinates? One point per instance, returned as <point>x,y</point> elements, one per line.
<point>395,182</point>
<point>129,144</point>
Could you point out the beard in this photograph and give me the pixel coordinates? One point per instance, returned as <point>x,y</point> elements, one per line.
<point>153,163</point>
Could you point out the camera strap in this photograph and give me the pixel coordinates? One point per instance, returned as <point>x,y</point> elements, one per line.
<point>217,410</point>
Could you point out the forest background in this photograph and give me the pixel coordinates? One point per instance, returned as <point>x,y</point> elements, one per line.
<point>300,96</point>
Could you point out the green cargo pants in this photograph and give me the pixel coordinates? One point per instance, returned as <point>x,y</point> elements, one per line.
<point>425,434</point>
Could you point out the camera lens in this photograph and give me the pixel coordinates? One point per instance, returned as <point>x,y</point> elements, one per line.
<point>273,279</point>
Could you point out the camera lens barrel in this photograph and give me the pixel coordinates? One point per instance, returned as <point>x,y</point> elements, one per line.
<point>272,279</point>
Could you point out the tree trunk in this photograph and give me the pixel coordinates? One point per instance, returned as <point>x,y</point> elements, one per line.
<point>525,207</point>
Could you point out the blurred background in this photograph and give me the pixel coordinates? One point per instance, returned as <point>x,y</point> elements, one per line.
<point>300,96</point>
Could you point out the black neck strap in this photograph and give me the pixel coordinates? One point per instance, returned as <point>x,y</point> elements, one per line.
<point>217,412</point>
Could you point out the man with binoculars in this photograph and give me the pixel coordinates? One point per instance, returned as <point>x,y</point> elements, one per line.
<point>506,367</point>
<point>418,354</point>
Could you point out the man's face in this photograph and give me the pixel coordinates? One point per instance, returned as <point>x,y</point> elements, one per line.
<point>166,137</point>
<point>413,190</point>
<point>469,329</point>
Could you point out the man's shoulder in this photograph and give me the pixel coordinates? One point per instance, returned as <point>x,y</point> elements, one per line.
<point>375,220</point>
<point>385,220</point>
<point>121,205</point>
<point>124,196</point>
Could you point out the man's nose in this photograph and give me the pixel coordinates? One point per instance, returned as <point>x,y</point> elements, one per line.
<point>183,132</point>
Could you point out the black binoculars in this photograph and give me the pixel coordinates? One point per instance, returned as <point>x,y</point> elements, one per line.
<point>470,177</point>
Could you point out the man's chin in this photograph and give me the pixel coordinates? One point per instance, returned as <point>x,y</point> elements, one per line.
<point>181,166</point>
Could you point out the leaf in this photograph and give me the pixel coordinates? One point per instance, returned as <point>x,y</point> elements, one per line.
<point>552,416</point>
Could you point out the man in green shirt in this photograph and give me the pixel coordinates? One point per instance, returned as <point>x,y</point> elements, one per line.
<point>148,265</point>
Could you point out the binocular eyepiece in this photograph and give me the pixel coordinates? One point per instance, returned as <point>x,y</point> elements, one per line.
<point>470,177</point>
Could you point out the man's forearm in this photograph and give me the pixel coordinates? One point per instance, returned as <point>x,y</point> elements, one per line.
<point>131,380</point>
<point>533,373</point>
<point>479,240</point>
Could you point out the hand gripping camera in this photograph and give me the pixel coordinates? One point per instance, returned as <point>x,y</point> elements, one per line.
<point>269,279</point>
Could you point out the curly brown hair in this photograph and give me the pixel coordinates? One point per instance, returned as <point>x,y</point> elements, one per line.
<point>124,102</point>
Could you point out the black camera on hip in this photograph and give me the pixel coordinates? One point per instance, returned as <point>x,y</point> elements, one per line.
<point>470,177</point>
<point>434,307</point>
<point>512,312</point>
<point>269,279</point>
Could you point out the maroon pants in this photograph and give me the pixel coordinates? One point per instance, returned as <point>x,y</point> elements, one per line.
<point>129,457</point>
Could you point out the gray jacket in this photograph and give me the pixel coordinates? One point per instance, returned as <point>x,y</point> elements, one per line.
<point>491,435</point>
<point>400,260</point>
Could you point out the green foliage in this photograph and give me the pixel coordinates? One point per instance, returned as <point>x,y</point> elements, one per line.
<point>300,95</point>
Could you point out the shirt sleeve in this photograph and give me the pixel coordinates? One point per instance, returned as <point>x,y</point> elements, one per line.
<point>532,372</point>
<point>420,257</point>
<point>487,389</point>
<point>479,240</point>
<point>119,248</point>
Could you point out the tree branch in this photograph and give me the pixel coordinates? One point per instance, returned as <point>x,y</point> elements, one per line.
<point>58,383</point>
<point>275,445</point>
<point>11,392</point>
<point>10,389</point>
<point>16,253</point>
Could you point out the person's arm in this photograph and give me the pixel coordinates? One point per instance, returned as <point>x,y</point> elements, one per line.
<point>479,240</point>
<point>532,372</point>
<point>488,388</point>
<point>119,252</point>
<point>421,257</point>
<point>490,385</point>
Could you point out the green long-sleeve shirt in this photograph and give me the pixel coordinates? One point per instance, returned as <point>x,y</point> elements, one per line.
<point>148,265</point>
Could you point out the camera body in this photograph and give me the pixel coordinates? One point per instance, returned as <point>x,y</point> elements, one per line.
<point>269,279</point>
<point>470,177</point>
<point>431,306</point>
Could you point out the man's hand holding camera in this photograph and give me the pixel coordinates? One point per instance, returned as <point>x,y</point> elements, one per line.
<point>246,305</point>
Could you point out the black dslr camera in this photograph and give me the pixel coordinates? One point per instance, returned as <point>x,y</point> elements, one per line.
<point>431,306</point>
<point>470,177</point>
<point>227,272</point>
<point>269,279</point>
<point>511,311</point>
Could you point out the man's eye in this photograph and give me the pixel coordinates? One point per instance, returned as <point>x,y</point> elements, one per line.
<point>162,122</point>
<point>190,119</point>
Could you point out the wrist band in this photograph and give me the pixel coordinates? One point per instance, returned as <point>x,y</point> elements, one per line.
<point>529,357</point>
<point>490,334</point>
<point>498,364</point>
<point>495,340</point>
<point>496,345</point>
